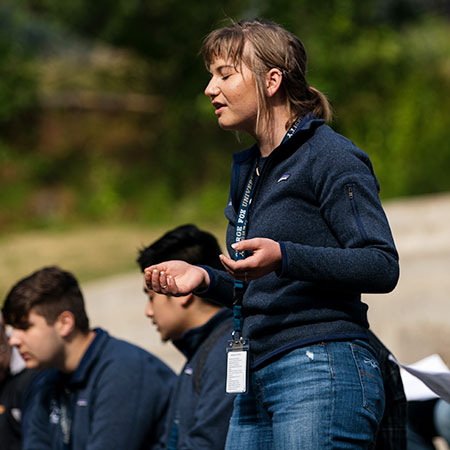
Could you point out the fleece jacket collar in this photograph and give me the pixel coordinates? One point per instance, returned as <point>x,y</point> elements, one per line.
<point>306,127</point>
<point>89,358</point>
<point>191,340</point>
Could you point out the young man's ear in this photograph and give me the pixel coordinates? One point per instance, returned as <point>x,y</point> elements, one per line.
<point>186,300</point>
<point>274,77</point>
<point>65,323</point>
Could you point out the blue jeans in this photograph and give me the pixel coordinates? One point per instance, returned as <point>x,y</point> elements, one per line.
<point>324,396</point>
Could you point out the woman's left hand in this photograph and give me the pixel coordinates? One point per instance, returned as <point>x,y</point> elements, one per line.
<point>265,258</point>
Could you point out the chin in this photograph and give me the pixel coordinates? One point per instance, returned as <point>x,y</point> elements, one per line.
<point>31,364</point>
<point>226,126</point>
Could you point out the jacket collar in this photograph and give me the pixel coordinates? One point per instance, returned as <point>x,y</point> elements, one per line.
<point>190,341</point>
<point>308,124</point>
<point>89,358</point>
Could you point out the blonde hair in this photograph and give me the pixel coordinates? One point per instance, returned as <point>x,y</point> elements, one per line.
<point>269,46</point>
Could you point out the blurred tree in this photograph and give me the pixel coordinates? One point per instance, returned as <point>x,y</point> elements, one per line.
<point>382,63</point>
<point>168,35</point>
<point>17,78</point>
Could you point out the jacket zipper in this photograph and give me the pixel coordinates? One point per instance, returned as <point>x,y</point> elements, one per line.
<point>357,217</point>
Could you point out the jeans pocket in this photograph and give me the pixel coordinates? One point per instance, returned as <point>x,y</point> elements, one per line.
<point>370,379</point>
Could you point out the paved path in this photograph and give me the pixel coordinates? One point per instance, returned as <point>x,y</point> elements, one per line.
<point>413,320</point>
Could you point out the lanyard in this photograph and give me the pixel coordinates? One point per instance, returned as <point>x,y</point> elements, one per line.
<point>294,127</point>
<point>241,233</point>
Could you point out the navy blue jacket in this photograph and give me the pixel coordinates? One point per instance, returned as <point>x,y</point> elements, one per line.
<point>12,402</point>
<point>317,196</point>
<point>117,399</point>
<point>202,413</point>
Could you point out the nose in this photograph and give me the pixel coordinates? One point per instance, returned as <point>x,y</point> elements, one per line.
<point>212,89</point>
<point>149,309</point>
<point>14,338</point>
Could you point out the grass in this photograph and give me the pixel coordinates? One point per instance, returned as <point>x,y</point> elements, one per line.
<point>90,252</point>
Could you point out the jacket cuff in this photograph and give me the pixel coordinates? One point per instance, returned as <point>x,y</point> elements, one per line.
<point>281,272</point>
<point>212,280</point>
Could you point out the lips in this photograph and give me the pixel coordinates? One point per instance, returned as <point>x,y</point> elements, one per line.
<point>219,107</point>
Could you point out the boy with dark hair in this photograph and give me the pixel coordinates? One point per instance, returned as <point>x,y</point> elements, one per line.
<point>98,392</point>
<point>200,409</point>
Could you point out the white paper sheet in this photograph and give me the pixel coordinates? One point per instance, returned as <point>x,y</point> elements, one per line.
<point>425,379</point>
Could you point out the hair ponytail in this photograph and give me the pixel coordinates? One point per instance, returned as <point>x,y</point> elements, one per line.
<point>320,106</point>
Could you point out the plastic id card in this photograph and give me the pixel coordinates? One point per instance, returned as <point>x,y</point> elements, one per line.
<point>237,367</point>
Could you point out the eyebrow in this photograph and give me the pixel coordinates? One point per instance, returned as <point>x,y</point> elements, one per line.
<point>224,66</point>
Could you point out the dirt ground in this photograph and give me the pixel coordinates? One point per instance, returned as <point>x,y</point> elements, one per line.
<point>413,320</point>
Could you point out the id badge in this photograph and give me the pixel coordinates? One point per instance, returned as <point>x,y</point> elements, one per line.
<point>237,366</point>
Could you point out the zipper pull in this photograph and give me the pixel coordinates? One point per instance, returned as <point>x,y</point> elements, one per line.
<point>350,192</point>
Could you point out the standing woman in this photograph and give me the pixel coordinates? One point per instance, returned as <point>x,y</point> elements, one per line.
<point>307,235</point>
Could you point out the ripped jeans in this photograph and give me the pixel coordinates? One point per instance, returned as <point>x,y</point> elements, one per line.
<point>323,396</point>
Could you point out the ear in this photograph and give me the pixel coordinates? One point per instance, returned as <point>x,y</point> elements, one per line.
<point>65,323</point>
<point>274,77</point>
<point>187,300</point>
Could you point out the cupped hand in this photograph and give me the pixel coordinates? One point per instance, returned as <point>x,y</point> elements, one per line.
<point>265,258</point>
<point>175,278</point>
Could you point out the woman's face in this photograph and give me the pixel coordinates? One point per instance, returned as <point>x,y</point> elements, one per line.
<point>233,95</point>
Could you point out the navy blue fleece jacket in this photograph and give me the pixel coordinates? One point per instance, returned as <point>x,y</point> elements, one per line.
<point>200,410</point>
<point>317,195</point>
<point>117,399</point>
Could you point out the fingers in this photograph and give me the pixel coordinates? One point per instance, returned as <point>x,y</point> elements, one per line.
<point>265,257</point>
<point>248,244</point>
<point>161,278</point>
<point>241,269</point>
<point>158,281</point>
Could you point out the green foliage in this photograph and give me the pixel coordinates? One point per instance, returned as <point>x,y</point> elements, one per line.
<point>17,76</point>
<point>391,98</point>
<point>384,66</point>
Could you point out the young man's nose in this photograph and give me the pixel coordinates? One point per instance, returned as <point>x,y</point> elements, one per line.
<point>149,309</point>
<point>14,338</point>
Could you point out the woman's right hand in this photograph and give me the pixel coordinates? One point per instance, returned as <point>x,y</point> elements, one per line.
<point>175,278</point>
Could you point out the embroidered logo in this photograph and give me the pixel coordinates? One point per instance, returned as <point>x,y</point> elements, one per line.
<point>188,371</point>
<point>55,413</point>
<point>82,402</point>
<point>284,177</point>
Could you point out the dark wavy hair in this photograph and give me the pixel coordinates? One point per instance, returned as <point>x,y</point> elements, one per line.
<point>48,292</point>
<point>186,243</point>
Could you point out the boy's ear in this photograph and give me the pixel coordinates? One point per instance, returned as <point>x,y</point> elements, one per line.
<point>186,300</point>
<point>65,323</point>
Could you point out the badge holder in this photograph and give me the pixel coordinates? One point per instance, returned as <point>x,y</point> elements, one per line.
<point>237,365</point>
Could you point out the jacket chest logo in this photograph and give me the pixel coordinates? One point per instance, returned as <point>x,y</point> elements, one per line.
<point>55,413</point>
<point>284,177</point>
